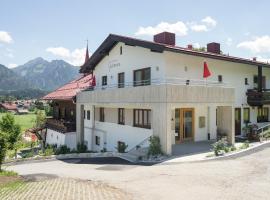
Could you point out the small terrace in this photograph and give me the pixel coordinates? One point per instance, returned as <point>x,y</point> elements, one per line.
<point>61,125</point>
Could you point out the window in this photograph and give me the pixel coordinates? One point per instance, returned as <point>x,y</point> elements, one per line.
<point>142,118</point>
<point>246,81</point>
<point>101,115</point>
<point>121,116</point>
<point>104,80</point>
<point>121,50</point>
<point>142,77</point>
<point>246,115</point>
<point>71,113</point>
<point>220,78</point>
<point>262,114</point>
<point>97,140</point>
<point>121,80</point>
<point>88,114</point>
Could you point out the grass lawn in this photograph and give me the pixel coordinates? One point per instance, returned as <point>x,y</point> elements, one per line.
<point>25,121</point>
<point>9,181</point>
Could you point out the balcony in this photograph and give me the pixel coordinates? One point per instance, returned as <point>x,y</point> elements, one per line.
<point>168,90</point>
<point>256,98</point>
<point>61,125</point>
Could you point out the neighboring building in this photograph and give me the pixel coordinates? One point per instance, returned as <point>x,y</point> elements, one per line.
<point>61,128</point>
<point>9,107</point>
<point>146,88</point>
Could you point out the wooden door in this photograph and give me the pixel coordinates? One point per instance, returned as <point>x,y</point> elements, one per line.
<point>184,124</point>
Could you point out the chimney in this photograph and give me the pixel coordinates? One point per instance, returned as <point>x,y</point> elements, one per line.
<point>254,59</point>
<point>213,47</point>
<point>165,38</point>
<point>190,46</point>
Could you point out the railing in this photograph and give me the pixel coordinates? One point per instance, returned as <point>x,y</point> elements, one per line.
<point>144,143</point>
<point>61,125</point>
<point>167,81</point>
<point>256,98</point>
<point>263,129</point>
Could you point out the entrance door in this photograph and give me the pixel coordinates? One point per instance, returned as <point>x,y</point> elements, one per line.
<point>237,116</point>
<point>184,124</point>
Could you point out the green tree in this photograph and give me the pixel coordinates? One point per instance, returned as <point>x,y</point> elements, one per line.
<point>2,149</point>
<point>40,119</point>
<point>11,130</point>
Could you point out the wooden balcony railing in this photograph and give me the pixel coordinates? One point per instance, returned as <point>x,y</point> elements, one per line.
<point>61,125</point>
<point>256,98</point>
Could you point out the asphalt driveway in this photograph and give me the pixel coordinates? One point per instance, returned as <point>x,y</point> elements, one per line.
<point>246,177</point>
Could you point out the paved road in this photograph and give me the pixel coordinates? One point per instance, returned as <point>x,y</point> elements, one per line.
<point>246,177</point>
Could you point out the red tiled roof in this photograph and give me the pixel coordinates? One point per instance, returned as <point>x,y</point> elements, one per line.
<point>68,91</point>
<point>9,106</point>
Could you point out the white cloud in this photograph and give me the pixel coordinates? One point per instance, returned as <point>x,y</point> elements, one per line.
<point>5,37</point>
<point>209,21</point>
<point>75,57</point>
<point>179,28</point>
<point>196,45</point>
<point>257,45</point>
<point>59,51</point>
<point>229,41</point>
<point>199,28</point>
<point>12,65</point>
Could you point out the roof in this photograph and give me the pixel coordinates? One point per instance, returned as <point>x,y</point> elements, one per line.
<point>9,106</point>
<point>69,91</point>
<point>113,39</point>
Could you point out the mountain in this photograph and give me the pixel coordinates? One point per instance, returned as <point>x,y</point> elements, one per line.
<point>46,75</point>
<point>9,80</point>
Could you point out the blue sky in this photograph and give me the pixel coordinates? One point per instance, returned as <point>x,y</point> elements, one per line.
<point>58,29</point>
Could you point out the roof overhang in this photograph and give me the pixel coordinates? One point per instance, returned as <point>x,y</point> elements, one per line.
<point>112,40</point>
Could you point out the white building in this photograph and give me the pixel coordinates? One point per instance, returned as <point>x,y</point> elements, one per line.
<point>146,88</point>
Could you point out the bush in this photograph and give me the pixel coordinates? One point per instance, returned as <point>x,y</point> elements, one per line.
<point>155,146</point>
<point>2,150</point>
<point>28,155</point>
<point>81,148</point>
<point>233,148</point>
<point>219,147</point>
<point>245,145</point>
<point>49,151</point>
<point>121,147</point>
<point>63,149</point>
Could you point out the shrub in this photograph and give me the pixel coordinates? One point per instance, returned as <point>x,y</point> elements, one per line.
<point>2,149</point>
<point>81,148</point>
<point>219,147</point>
<point>63,149</point>
<point>155,146</point>
<point>233,148</point>
<point>49,151</point>
<point>245,145</point>
<point>121,147</point>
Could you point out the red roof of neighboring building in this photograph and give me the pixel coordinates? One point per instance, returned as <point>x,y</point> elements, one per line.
<point>68,91</point>
<point>9,106</point>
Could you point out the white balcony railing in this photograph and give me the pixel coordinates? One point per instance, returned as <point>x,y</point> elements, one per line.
<point>167,81</point>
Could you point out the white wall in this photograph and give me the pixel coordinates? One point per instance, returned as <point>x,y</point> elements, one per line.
<point>54,137</point>
<point>112,133</point>
<point>132,58</point>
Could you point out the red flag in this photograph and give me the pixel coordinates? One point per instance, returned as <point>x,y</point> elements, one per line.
<point>206,72</point>
<point>94,81</point>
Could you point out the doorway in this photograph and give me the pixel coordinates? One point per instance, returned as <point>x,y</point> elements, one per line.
<point>237,116</point>
<point>184,124</point>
